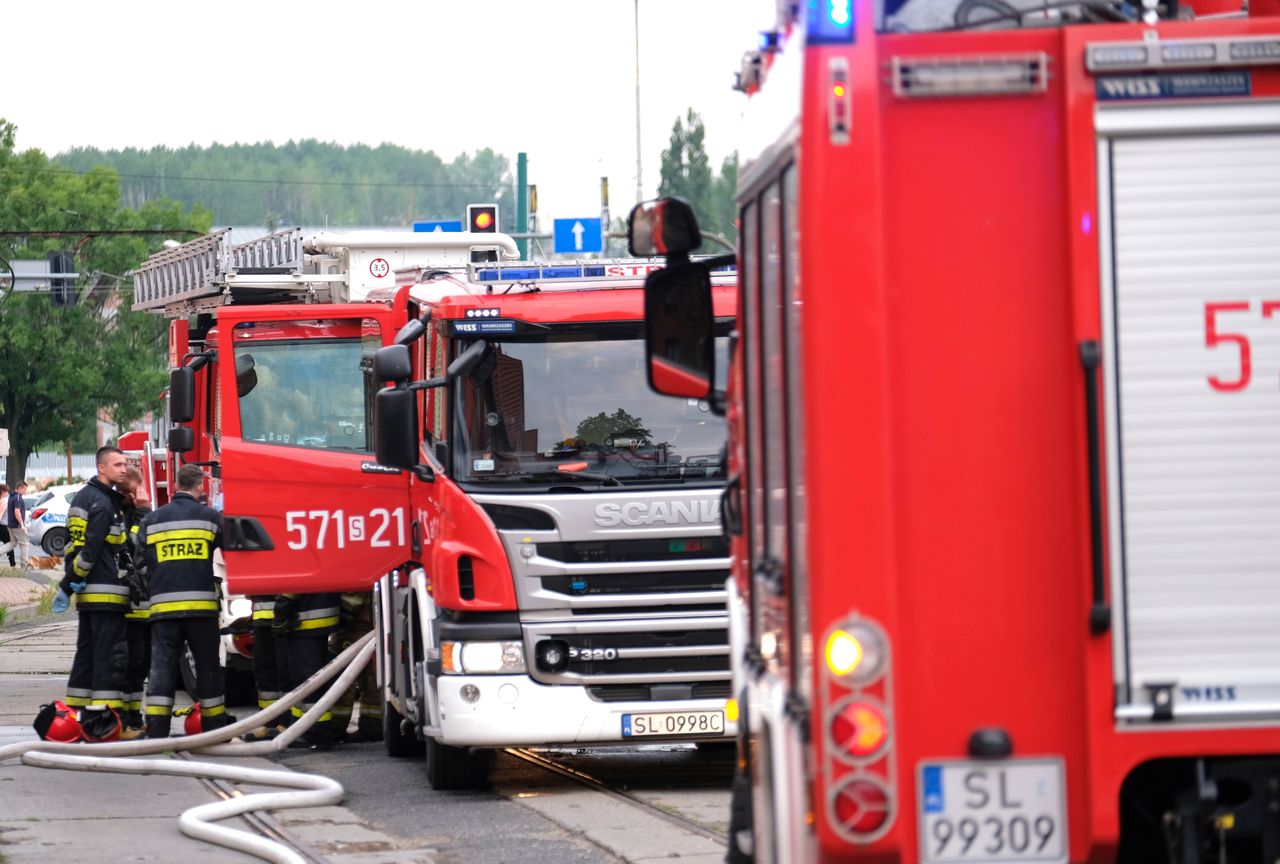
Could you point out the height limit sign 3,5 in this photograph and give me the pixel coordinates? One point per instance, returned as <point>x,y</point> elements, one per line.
<point>578,235</point>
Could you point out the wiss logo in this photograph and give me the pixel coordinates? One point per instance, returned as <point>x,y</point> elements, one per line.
<point>658,513</point>
<point>1130,88</point>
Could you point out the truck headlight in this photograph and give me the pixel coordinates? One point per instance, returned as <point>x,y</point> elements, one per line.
<point>482,658</point>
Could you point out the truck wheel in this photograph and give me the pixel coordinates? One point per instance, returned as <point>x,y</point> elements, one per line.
<point>187,668</point>
<point>54,541</point>
<point>400,744</point>
<point>456,767</point>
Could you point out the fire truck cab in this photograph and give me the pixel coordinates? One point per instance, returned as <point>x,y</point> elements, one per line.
<point>566,583</point>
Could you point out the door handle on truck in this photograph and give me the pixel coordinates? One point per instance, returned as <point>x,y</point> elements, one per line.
<point>245,534</point>
<point>1100,612</point>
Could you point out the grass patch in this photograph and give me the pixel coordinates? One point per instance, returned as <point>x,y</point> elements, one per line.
<point>46,600</point>
<point>4,614</point>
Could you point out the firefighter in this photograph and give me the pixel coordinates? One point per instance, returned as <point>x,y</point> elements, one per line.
<point>95,523</point>
<point>137,625</point>
<point>270,665</point>
<point>304,622</point>
<point>176,544</point>
<point>356,620</point>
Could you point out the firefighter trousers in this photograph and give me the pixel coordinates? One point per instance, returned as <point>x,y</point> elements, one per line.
<point>139,640</point>
<point>169,639</point>
<point>101,662</point>
<point>308,654</point>
<point>270,666</point>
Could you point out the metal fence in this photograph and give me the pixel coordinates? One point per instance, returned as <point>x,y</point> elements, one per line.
<point>43,466</point>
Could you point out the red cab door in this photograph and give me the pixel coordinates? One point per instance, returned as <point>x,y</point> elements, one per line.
<point>306,508</point>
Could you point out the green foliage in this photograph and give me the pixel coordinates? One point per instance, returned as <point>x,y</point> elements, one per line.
<point>599,427</point>
<point>60,366</point>
<point>686,173</point>
<point>309,182</point>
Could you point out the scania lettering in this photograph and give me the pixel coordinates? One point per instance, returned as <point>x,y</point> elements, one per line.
<point>659,512</point>
<point>1004,422</point>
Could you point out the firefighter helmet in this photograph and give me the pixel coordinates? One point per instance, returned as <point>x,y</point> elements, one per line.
<point>101,726</point>
<point>59,722</point>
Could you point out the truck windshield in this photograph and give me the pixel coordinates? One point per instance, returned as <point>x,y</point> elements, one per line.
<point>572,406</point>
<point>308,393</point>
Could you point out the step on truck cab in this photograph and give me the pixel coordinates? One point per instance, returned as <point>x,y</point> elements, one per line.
<point>567,584</point>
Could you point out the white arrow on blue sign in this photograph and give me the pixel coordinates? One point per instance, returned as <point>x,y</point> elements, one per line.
<point>578,235</point>
<point>437,225</point>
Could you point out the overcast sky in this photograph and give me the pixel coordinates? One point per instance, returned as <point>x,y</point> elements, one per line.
<point>553,78</point>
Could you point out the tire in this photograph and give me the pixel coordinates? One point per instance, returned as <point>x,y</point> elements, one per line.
<point>54,541</point>
<point>187,668</point>
<point>400,744</point>
<point>451,768</point>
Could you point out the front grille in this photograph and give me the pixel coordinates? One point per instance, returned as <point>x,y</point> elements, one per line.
<point>655,656</point>
<point>645,693</point>
<point>659,582</point>
<point>630,551</point>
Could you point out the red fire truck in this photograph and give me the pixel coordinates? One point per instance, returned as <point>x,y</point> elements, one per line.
<point>1003,432</point>
<point>271,344</point>
<point>566,582</point>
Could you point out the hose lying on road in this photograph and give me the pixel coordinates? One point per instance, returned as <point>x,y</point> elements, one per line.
<point>194,823</point>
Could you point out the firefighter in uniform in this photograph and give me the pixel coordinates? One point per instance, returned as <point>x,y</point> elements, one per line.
<point>175,545</point>
<point>137,625</point>
<point>270,665</point>
<point>304,622</point>
<point>95,523</point>
<point>357,620</point>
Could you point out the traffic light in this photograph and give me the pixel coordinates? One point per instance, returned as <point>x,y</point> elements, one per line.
<point>482,218</point>
<point>62,292</point>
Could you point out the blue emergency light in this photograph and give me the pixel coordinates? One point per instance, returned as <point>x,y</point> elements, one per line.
<point>537,273</point>
<point>829,22</point>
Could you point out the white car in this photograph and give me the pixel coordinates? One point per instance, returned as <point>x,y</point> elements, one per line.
<point>47,520</point>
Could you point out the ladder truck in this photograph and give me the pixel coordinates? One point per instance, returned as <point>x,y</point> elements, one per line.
<point>1004,431</point>
<point>566,570</point>
<point>270,346</point>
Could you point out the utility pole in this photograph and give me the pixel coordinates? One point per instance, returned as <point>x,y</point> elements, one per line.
<point>639,173</point>
<point>522,202</point>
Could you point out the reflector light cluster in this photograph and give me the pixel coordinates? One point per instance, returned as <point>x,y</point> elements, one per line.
<point>1182,54</point>
<point>858,753</point>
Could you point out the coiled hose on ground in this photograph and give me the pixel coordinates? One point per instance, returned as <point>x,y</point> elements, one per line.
<point>314,790</point>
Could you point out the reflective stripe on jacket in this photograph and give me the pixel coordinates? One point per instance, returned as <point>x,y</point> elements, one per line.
<point>95,524</point>
<point>176,546</point>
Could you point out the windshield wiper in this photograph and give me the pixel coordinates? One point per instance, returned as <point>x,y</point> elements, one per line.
<point>553,476</point>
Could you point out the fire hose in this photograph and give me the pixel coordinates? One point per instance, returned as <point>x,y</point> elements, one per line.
<point>313,790</point>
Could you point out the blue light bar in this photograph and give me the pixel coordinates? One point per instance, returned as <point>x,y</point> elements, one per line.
<point>534,273</point>
<point>829,22</point>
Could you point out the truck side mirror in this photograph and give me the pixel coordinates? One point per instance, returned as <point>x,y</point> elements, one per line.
<point>666,226</point>
<point>246,376</point>
<point>467,360</point>
<point>412,330</point>
<point>395,427</point>
<point>392,363</point>
<point>181,439</point>
<point>182,394</point>
<point>679,325</point>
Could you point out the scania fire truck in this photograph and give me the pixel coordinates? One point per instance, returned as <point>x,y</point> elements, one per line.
<point>1004,431</point>
<point>567,577</point>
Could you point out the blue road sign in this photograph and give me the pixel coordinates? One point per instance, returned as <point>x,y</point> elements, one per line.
<point>430,225</point>
<point>578,235</point>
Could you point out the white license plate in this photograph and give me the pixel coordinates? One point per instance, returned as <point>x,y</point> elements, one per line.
<point>673,723</point>
<point>1000,811</point>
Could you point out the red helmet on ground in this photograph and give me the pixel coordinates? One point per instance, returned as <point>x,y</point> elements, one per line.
<point>101,726</point>
<point>192,725</point>
<point>59,722</point>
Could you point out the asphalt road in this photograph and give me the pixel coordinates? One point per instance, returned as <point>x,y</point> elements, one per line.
<point>635,813</point>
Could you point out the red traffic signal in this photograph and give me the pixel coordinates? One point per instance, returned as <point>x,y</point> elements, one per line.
<point>482,218</point>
